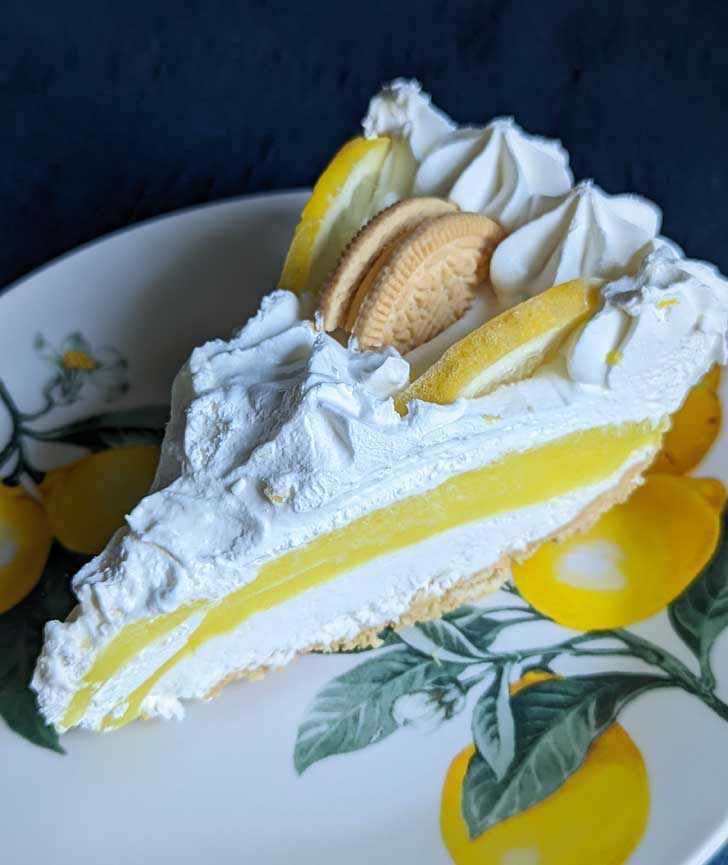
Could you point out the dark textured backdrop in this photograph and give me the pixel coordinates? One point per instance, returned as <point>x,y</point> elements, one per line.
<point>112,112</point>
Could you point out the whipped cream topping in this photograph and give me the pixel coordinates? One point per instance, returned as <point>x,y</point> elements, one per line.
<point>669,302</point>
<point>499,171</point>
<point>584,234</point>
<point>401,109</point>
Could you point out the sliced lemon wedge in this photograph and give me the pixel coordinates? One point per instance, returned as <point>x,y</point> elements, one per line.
<point>507,348</point>
<point>341,202</point>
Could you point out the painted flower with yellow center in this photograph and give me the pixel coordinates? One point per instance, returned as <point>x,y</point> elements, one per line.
<point>639,556</point>
<point>76,363</point>
<point>78,360</point>
<point>25,539</point>
<point>597,816</point>
<point>87,501</point>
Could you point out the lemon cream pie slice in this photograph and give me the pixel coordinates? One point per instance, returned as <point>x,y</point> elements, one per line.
<point>313,490</point>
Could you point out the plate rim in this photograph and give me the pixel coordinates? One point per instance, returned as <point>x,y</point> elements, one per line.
<point>86,245</point>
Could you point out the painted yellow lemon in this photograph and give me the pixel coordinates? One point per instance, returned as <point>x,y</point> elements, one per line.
<point>597,816</point>
<point>694,428</point>
<point>87,501</point>
<point>506,348</point>
<point>633,562</point>
<point>25,538</point>
<point>341,202</point>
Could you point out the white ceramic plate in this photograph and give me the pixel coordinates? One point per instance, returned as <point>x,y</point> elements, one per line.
<point>222,786</point>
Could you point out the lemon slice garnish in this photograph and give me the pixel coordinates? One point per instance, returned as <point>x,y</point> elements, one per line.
<point>341,202</point>
<point>507,348</point>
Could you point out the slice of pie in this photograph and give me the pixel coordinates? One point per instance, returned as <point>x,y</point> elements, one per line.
<point>467,357</point>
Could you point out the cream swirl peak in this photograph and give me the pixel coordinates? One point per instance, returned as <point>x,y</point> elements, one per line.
<point>669,302</point>
<point>522,181</point>
<point>401,109</point>
<point>498,170</point>
<point>584,234</point>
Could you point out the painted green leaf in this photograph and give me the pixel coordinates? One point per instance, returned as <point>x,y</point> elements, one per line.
<point>493,726</point>
<point>137,426</point>
<point>555,723</point>
<point>463,615</point>
<point>21,635</point>
<point>448,636</point>
<point>355,709</point>
<point>700,613</point>
<point>476,626</point>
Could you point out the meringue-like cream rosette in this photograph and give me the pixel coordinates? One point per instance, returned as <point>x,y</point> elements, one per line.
<point>585,233</point>
<point>498,170</point>
<point>294,507</point>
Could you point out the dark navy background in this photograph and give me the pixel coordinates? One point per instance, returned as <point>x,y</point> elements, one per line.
<point>112,112</point>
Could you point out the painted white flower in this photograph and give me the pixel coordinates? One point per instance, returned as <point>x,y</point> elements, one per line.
<point>428,708</point>
<point>76,364</point>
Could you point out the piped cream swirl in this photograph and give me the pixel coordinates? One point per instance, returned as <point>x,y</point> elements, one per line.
<point>673,309</point>
<point>584,234</point>
<point>402,110</point>
<point>498,170</point>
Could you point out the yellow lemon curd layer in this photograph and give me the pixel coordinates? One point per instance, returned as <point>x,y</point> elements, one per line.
<point>516,480</point>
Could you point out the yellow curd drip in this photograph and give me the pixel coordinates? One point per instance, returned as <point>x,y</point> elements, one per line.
<point>515,481</point>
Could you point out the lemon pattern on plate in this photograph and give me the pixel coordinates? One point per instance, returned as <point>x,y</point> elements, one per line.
<point>81,505</point>
<point>25,539</point>
<point>52,521</point>
<point>633,562</point>
<point>694,428</point>
<point>87,501</point>
<point>581,803</point>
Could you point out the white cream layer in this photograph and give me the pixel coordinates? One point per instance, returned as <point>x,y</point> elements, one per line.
<point>380,591</point>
